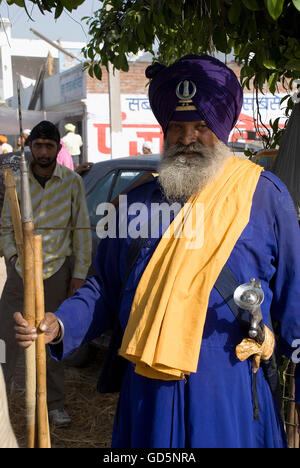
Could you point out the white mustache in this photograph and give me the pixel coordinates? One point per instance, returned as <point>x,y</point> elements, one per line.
<point>194,148</point>
<point>181,177</point>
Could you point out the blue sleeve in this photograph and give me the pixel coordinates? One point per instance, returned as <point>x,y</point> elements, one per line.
<point>286,292</point>
<point>91,310</point>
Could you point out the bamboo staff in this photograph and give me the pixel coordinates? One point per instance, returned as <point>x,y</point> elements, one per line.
<point>292,429</point>
<point>10,188</point>
<point>42,412</point>
<point>29,288</point>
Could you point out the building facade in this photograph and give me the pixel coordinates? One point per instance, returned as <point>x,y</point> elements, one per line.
<point>85,102</point>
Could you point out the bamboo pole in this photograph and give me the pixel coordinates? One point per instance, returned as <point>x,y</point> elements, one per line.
<point>291,423</point>
<point>29,315</point>
<point>42,412</point>
<point>24,243</point>
<point>297,437</point>
<point>10,187</point>
<point>29,286</point>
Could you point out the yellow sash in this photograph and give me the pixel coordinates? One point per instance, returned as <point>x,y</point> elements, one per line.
<point>164,331</point>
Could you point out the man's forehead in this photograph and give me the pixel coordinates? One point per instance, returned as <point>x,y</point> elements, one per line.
<point>44,141</point>
<point>185,122</point>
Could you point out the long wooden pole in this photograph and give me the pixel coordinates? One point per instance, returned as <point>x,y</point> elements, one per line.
<point>29,315</point>
<point>29,286</point>
<point>24,243</point>
<point>14,207</point>
<point>42,411</point>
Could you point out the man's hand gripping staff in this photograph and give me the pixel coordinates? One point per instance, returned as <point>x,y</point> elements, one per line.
<point>26,334</point>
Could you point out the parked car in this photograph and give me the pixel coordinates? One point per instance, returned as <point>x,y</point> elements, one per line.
<point>239,148</point>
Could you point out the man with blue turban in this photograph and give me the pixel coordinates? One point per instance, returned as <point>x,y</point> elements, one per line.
<point>193,307</point>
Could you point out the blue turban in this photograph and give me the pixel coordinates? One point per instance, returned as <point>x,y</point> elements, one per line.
<point>196,87</point>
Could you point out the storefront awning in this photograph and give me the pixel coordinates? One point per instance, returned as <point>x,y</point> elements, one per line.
<point>9,120</point>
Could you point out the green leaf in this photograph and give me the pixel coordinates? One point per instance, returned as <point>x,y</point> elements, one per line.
<point>293,65</point>
<point>253,5</point>
<point>97,71</point>
<point>270,64</point>
<point>91,53</point>
<point>248,153</point>
<point>234,12</point>
<point>141,33</point>
<point>175,7</point>
<point>220,39</point>
<point>20,3</point>
<point>275,8</point>
<point>272,82</point>
<point>58,11</point>
<point>296,4</point>
<point>284,99</point>
<point>69,5</point>
<point>274,125</point>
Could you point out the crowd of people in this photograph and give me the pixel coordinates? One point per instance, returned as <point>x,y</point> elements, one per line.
<point>189,372</point>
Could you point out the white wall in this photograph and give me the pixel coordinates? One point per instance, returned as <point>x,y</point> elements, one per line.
<point>6,89</point>
<point>138,125</point>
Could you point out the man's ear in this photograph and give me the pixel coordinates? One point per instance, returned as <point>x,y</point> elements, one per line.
<point>59,146</point>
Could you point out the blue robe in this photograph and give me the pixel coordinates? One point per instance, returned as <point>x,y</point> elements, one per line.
<point>214,406</point>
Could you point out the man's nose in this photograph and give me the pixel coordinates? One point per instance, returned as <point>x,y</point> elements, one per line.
<point>43,150</point>
<point>189,136</point>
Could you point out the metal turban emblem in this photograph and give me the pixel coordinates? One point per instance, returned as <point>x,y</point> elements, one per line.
<point>185,91</point>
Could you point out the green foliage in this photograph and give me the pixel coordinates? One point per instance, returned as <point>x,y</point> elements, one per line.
<point>275,8</point>
<point>48,5</point>
<point>264,34</point>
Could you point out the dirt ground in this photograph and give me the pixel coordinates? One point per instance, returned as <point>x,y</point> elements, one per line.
<point>92,413</point>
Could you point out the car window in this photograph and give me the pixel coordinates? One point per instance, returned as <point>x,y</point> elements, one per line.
<point>128,179</point>
<point>99,194</point>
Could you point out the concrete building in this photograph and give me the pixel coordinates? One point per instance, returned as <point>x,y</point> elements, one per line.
<point>6,79</point>
<point>25,57</point>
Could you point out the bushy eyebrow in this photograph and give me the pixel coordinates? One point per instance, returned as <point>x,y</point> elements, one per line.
<point>44,142</point>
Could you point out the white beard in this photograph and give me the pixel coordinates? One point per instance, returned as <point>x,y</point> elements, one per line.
<point>181,177</point>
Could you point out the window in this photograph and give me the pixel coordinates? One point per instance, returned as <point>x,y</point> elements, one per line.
<point>127,180</point>
<point>99,194</point>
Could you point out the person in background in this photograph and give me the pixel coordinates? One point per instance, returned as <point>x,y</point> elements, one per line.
<point>73,143</point>
<point>58,201</point>
<point>147,147</point>
<point>25,135</point>
<point>64,157</point>
<point>4,146</point>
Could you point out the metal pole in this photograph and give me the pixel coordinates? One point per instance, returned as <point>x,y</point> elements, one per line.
<point>61,49</point>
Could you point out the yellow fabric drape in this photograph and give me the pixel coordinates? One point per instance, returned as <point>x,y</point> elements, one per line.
<point>164,332</point>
